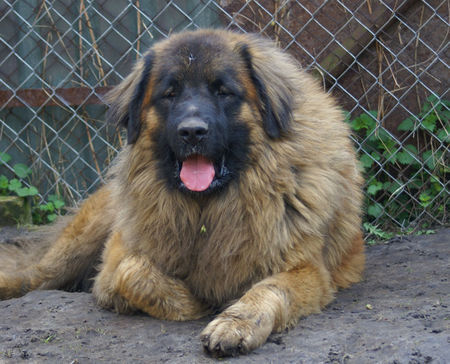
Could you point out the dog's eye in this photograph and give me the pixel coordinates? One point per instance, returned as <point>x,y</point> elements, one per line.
<point>223,91</point>
<point>170,93</point>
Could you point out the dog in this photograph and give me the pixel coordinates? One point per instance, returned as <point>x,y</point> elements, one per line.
<point>238,191</point>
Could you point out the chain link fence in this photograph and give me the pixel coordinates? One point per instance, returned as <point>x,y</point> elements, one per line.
<point>385,60</point>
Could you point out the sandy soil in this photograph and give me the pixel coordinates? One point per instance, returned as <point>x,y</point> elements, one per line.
<point>398,314</point>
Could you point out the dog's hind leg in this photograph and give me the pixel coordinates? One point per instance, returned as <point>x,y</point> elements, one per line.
<point>71,257</point>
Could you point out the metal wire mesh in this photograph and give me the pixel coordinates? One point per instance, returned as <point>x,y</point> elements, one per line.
<point>386,62</point>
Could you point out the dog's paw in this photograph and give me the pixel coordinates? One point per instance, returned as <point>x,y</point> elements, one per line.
<point>3,285</point>
<point>231,334</point>
<point>9,286</point>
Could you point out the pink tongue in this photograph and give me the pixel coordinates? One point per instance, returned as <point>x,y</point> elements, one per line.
<point>197,173</point>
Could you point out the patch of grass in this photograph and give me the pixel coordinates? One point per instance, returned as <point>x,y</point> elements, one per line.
<point>49,339</point>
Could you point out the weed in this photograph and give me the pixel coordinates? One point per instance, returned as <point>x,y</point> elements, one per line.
<point>49,339</point>
<point>20,186</point>
<point>405,180</point>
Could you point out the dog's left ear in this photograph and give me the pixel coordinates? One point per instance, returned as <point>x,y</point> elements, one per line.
<point>275,89</point>
<point>126,99</point>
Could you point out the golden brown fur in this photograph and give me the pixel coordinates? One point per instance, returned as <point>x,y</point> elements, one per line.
<point>270,248</point>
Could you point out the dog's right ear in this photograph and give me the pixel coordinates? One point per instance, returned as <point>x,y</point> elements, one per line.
<point>270,71</point>
<point>125,100</point>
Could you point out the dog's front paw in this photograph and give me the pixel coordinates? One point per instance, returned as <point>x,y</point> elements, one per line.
<point>3,287</point>
<point>10,286</point>
<point>231,333</point>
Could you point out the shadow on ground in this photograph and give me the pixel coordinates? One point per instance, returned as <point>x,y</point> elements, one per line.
<point>398,314</point>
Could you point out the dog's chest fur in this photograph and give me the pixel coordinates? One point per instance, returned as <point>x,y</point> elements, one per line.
<point>210,247</point>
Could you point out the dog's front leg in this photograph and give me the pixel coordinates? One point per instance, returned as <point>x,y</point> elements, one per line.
<point>269,306</point>
<point>129,282</point>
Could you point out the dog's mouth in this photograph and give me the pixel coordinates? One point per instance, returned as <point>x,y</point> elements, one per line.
<point>198,173</point>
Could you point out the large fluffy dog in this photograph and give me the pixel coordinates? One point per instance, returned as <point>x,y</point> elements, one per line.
<point>238,190</point>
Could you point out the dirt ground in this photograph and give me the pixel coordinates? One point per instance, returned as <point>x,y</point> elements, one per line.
<point>398,314</point>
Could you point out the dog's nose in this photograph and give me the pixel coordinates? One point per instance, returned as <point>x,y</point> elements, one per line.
<point>192,130</point>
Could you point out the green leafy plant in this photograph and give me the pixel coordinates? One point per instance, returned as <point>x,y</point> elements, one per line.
<point>405,171</point>
<point>48,211</point>
<point>376,232</point>
<point>41,213</point>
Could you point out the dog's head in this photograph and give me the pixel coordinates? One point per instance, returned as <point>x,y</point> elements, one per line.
<point>199,95</point>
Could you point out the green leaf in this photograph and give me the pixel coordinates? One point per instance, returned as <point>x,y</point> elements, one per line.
<point>424,197</point>
<point>435,179</point>
<point>405,158</point>
<point>364,121</point>
<point>203,229</point>
<point>52,197</point>
<point>56,201</point>
<point>406,125</point>
<point>357,124</point>
<point>411,148</point>
<point>375,230</point>
<point>22,192</point>
<point>428,159</point>
<point>429,123</point>
<point>4,157</point>
<point>426,107</point>
<point>375,210</point>
<point>374,114</point>
<point>347,116</point>
<point>27,191</point>
<point>375,156</point>
<point>436,188</point>
<point>51,217</point>
<point>14,185</point>
<point>374,187</point>
<point>21,170</point>
<point>390,156</point>
<point>3,182</point>
<point>444,136</point>
<point>415,183</point>
<point>58,204</point>
<point>33,191</point>
<point>445,116</point>
<point>49,207</point>
<point>433,99</point>
<point>392,187</point>
<point>369,122</point>
<point>384,141</point>
<point>383,135</point>
<point>366,161</point>
<point>431,159</point>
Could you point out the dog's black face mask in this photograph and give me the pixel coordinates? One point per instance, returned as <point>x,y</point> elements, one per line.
<point>201,143</point>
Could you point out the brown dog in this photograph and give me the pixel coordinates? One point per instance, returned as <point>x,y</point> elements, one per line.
<point>239,189</point>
